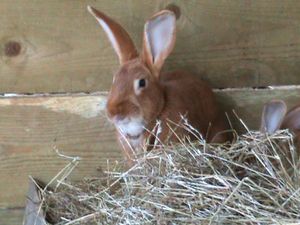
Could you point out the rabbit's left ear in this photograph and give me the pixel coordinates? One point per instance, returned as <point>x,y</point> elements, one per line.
<point>159,39</point>
<point>117,35</point>
<point>34,214</point>
<point>292,119</point>
<point>272,116</point>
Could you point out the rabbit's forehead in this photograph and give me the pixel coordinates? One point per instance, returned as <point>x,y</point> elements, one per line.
<point>123,80</point>
<point>131,70</point>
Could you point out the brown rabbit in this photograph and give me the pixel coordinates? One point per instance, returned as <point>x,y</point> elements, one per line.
<point>141,95</point>
<point>275,116</point>
<point>272,117</point>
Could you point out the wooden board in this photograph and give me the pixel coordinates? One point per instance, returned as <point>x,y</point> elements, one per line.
<point>30,128</point>
<point>248,103</point>
<point>11,216</point>
<point>56,46</point>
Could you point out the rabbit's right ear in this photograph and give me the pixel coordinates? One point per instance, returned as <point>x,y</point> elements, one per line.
<point>34,214</point>
<point>272,116</point>
<point>118,37</point>
<point>159,39</point>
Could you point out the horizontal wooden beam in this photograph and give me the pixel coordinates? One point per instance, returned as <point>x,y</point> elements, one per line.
<point>56,46</point>
<point>11,216</point>
<point>31,128</point>
<point>247,103</point>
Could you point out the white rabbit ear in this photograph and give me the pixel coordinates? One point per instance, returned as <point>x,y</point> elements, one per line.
<point>117,35</point>
<point>159,39</point>
<point>292,119</point>
<point>33,211</point>
<point>272,116</point>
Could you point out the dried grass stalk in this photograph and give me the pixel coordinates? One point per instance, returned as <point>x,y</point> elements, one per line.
<point>248,182</point>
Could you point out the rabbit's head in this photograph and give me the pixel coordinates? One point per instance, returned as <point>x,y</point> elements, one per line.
<point>274,117</point>
<point>136,97</point>
<point>292,122</point>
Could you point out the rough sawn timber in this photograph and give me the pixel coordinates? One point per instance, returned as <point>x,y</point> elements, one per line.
<point>31,128</point>
<point>56,46</point>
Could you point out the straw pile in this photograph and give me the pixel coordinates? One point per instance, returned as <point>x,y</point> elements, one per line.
<point>248,182</point>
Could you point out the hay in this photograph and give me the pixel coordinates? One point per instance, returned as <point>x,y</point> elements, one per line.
<point>189,183</point>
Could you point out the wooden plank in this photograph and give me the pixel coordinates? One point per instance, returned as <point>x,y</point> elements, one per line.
<point>231,43</point>
<point>30,127</point>
<point>248,103</point>
<point>11,216</point>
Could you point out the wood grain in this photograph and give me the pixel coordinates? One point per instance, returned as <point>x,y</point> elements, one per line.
<point>30,128</point>
<point>11,216</point>
<point>56,46</point>
<point>248,103</point>
<point>228,43</point>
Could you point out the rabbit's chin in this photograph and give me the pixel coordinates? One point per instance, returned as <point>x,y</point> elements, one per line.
<point>132,128</point>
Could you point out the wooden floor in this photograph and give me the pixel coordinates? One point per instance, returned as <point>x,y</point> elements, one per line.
<point>52,50</point>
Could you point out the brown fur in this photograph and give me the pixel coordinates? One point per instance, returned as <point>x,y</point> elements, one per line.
<point>291,121</point>
<point>195,100</point>
<point>167,95</point>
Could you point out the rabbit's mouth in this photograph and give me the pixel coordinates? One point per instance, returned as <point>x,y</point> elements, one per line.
<point>133,137</point>
<point>131,128</point>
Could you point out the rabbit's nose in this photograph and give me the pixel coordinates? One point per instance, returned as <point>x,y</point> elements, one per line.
<point>112,109</point>
<point>115,113</point>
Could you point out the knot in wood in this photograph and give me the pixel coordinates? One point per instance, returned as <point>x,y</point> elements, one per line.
<point>12,48</point>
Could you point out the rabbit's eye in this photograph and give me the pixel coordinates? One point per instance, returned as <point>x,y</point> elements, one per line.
<point>139,85</point>
<point>142,83</point>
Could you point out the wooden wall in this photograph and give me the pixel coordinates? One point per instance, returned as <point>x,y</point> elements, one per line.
<point>53,55</point>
